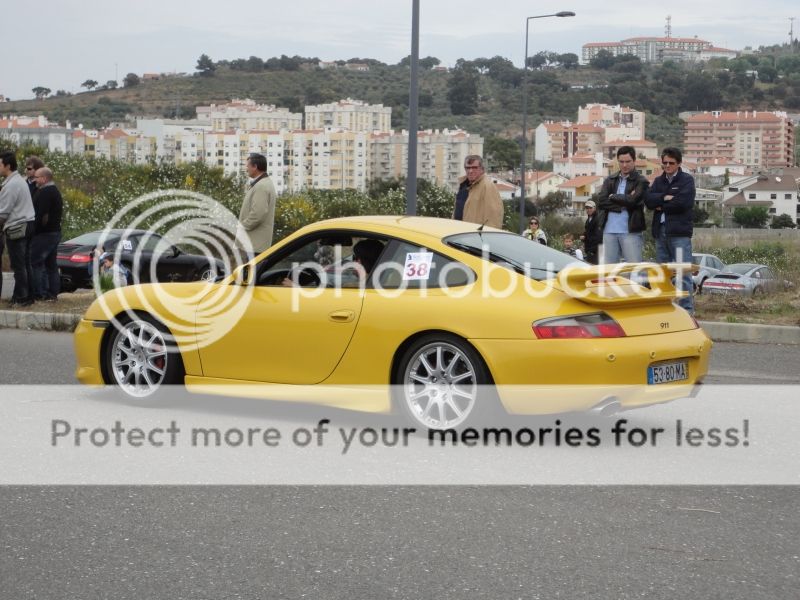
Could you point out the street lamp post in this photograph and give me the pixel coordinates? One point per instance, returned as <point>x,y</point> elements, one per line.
<point>523,187</point>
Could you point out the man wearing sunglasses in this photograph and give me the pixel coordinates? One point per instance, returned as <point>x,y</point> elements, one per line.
<point>671,198</point>
<point>478,200</point>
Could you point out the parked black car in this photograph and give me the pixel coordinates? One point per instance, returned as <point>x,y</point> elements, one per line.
<point>138,248</point>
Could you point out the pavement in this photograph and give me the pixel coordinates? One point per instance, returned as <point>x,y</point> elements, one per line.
<point>718,331</point>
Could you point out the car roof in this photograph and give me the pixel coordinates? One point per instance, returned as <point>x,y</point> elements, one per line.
<point>401,225</point>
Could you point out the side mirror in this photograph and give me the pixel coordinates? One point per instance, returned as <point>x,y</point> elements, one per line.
<point>175,251</point>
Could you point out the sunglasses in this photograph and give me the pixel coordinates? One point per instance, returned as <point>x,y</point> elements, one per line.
<point>667,163</point>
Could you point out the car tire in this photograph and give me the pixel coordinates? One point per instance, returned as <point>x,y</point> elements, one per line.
<point>441,382</point>
<point>758,292</point>
<point>140,358</point>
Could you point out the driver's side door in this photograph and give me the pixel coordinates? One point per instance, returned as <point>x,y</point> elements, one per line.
<point>292,334</point>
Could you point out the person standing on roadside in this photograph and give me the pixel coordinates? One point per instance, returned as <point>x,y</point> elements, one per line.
<point>534,232</point>
<point>592,236</point>
<point>48,206</point>
<point>477,199</point>
<point>621,205</point>
<point>257,215</point>
<point>671,198</point>
<point>17,222</point>
<point>32,164</point>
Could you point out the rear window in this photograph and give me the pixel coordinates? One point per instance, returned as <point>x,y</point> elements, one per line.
<point>513,251</point>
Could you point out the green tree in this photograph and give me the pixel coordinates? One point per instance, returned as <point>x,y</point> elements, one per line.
<point>699,215</point>
<point>131,79</point>
<point>111,84</point>
<point>501,153</point>
<point>783,221</point>
<point>752,217</point>
<point>602,60</point>
<point>205,66</point>
<point>553,202</point>
<point>568,60</point>
<point>89,84</point>
<point>255,64</point>
<point>41,92</point>
<point>462,89</point>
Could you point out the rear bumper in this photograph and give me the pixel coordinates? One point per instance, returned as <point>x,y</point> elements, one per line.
<point>553,376</point>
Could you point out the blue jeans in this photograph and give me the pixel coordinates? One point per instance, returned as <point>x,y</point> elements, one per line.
<point>44,265</point>
<point>20,259</point>
<point>677,249</point>
<point>627,246</point>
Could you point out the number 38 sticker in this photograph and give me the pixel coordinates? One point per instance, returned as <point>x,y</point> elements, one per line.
<point>418,265</point>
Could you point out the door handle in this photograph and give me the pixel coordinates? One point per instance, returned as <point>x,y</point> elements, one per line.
<point>342,316</point>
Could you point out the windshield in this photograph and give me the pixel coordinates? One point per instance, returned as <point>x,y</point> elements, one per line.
<point>521,254</point>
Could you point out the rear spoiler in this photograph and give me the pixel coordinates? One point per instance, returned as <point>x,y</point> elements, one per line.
<point>625,284</point>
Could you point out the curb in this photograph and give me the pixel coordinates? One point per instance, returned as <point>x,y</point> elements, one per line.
<point>18,319</point>
<point>748,332</point>
<point>717,331</point>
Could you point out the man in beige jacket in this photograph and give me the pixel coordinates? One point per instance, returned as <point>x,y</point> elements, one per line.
<point>257,217</point>
<point>478,200</point>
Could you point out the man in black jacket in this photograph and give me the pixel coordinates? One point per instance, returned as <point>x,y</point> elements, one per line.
<point>48,206</point>
<point>671,198</point>
<point>592,236</point>
<point>621,207</point>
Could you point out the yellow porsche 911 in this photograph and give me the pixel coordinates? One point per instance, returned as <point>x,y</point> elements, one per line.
<point>413,314</point>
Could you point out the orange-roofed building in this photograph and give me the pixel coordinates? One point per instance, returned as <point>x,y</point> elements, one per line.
<point>560,140</point>
<point>758,139</point>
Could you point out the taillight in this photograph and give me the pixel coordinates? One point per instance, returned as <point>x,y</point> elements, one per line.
<point>80,258</point>
<point>597,325</point>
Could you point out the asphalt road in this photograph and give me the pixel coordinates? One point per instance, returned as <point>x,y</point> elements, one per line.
<point>398,542</point>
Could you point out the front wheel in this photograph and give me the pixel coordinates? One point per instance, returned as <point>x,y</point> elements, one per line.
<point>443,383</point>
<point>141,357</point>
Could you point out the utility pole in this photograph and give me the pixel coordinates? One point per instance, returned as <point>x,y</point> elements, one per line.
<point>791,35</point>
<point>413,117</point>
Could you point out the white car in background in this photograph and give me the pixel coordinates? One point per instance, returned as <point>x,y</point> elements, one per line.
<point>709,265</point>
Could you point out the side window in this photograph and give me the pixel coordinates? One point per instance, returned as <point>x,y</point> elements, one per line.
<point>332,258</point>
<point>153,243</point>
<point>128,244</point>
<point>409,266</point>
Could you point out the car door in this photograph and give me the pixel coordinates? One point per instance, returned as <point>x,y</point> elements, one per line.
<point>287,333</point>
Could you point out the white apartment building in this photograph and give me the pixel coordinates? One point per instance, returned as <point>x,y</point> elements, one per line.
<point>349,114</point>
<point>658,49</point>
<point>758,139</point>
<point>246,114</point>
<point>440,155</point>
<point>167,132</point>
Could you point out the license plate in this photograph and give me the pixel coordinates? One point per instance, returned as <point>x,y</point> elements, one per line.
<point>667,372</point>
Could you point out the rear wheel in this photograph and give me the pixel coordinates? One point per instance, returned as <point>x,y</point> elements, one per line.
<point>443,383</point>
<point>141,357</point>
<point>758,291</point>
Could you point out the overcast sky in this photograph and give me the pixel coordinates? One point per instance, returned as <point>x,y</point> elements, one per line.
<point>60,43</point>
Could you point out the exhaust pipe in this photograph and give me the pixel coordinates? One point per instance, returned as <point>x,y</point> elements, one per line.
<point>606,407</point>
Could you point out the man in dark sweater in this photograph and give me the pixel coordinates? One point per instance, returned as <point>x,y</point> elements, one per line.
<point>48,205</point>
